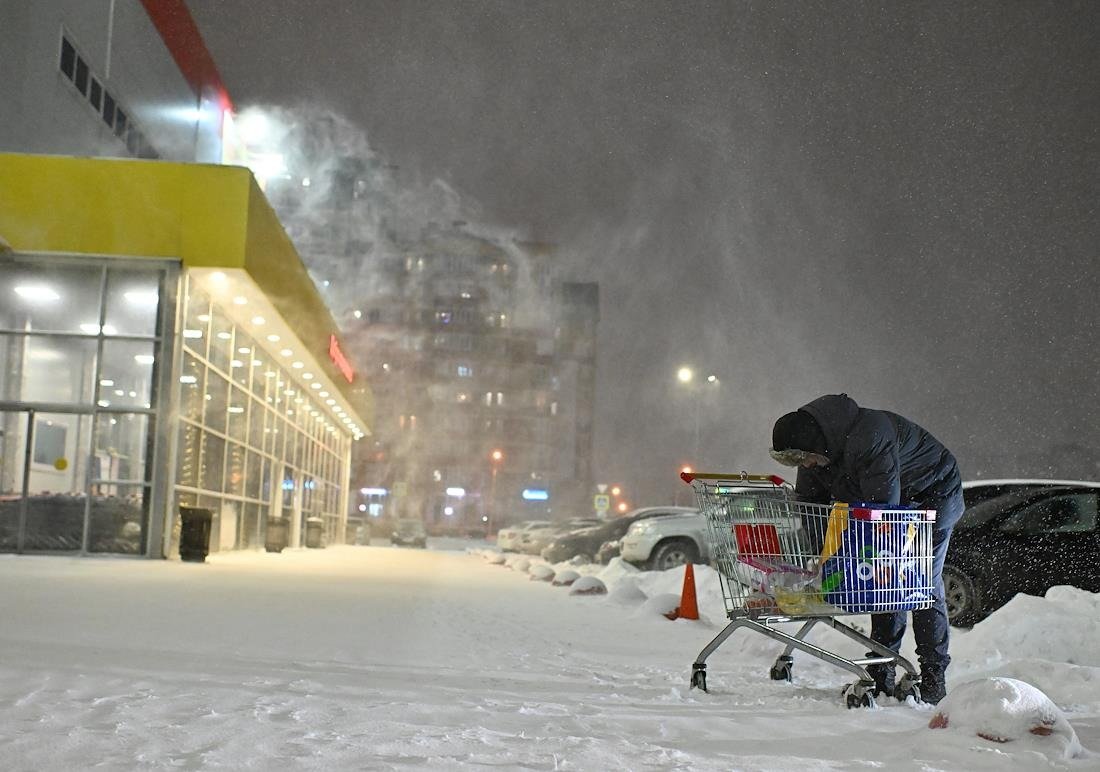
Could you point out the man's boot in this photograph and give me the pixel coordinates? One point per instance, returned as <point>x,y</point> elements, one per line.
<point>883,675</point>
<point>933,684</point>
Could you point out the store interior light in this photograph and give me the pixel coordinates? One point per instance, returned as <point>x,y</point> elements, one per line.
<point>273,338</point>
<point>37,293</point>
<point>217,277</point>
<point>106,382</point>
<point>144,359</point>
<point>298,365</point>
<point>188,379</point>
<point>240,300</point>
<point>192,334</point>
<point>330,401</point>
<point>286,352</point>
<point>224,336</point>
<point>314,385</point>
<point>323,394</point>
<point>142,297</point>
<point>258,320</point>
<point>308,376</point>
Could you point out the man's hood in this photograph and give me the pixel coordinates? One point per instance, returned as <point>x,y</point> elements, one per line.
<point>835,414</point>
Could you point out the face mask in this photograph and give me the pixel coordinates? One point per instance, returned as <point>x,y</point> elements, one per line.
<point>794,457</point>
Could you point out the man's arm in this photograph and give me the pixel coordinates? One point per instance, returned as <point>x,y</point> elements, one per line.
<point>809,487</point>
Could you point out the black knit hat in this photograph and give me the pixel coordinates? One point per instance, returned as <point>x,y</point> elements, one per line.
<point>798,431</point>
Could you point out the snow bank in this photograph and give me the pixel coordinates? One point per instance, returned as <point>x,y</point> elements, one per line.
<point>1005,710</point>
<point>588,585</point>
<point>541,572</point>
<point>565,577</point>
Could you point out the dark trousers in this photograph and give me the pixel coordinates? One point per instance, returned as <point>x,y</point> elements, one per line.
<point>930,626</point>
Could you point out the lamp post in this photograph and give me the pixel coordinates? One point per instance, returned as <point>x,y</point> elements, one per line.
<point>686,376</point>
<point>496,457</point>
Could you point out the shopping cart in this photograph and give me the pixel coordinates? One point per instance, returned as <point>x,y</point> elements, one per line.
<point>782,560</point>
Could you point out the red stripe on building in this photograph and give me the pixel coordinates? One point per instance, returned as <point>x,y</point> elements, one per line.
<point>181,35</point>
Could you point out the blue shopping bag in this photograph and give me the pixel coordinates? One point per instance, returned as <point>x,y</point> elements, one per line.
<point>871,562</point>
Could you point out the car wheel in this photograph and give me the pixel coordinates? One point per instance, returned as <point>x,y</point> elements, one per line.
<point>963,596</point>
<point>672,553</point>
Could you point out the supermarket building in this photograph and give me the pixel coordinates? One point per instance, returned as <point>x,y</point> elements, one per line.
<point>161,343</point>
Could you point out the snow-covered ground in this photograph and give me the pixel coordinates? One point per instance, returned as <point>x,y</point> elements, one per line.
<point>385,658</point>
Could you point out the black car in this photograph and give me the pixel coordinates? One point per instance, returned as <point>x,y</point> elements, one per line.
<point>587,542</point>
<point>1027,540</point>
<point>409,532</point>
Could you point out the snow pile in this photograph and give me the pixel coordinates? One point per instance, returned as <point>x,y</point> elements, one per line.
<point>540,572</point>
<point>1017,640</point>
<point>659,605</point>
<point>565,577</point>
<point>627,592</point>
<point>1004,710</point>
<point>494,558</point>
<point>518,563</point>
<point>588,585</point>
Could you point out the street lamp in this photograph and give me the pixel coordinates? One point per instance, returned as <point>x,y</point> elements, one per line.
<point>686,376</point>
<point>496,457</point>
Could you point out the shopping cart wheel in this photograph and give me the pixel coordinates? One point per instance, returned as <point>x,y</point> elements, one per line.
<point>699,676</point>
<point>859,695</point>
<point>781,670</point>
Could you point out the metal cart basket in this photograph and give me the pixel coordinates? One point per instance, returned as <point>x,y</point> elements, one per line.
<point>782,560</point>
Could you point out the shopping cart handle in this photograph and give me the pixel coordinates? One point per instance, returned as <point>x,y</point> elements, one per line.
<point>774,479</point>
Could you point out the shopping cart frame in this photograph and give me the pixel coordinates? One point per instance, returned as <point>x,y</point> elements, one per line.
<point>857,694</point>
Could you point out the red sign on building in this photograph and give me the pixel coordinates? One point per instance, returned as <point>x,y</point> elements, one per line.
<point>338,359</point>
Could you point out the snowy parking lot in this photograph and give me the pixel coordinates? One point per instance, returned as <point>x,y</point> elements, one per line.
<point>384,658</point>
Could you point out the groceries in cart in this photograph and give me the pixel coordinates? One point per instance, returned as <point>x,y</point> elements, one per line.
<point>817,560</point>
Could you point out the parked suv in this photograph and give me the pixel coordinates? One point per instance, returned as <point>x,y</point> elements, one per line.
<point>659,543</point>
<point>533,540</point>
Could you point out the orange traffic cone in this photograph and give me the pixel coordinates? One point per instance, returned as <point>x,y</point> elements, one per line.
<point>689,607</point>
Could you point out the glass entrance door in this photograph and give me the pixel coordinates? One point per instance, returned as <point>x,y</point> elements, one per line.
<point>13,431</point>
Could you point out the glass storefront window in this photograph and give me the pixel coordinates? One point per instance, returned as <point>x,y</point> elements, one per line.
<point>119,515</point>
<point>213,460</point>
<point>238,409</point>
<point>51,369</point>
<point>220,352</point>
<point>217,401</point>
<point>187,457</point>
<point>234,469</point>
<point>49,296</point>
<point>121,441</point>
<point>192,388</point>
<point>126,377</point>
<point>133,296</point>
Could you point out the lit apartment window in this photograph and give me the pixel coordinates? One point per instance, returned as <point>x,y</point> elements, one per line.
<point>553,408</point>
<point>500,397</point>
<point>488,399</point>
<point>465,371</point>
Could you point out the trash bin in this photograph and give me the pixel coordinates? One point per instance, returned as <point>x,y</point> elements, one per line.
<point>277,528</point>
<point>315,531</point>
<point>195,526</point>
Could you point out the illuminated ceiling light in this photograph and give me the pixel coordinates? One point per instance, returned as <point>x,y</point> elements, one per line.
<point>289,392</point>
<point>188,379</point>
<point>286,352</point>
<point>298,365</point>
<point>298,400</point>
<point>236,409</point>
<point>133,395</point>
<point>308,376</point>
<point>120,393</point>
<point>323,394</point>
<point>192,334</point>
<point>258,320</point>
<point>144,359</point>
<point>273,338</point>
<point>244,350</point>
<point>224,336</point>
<point>106,382</point>
<point>142,297</point>
<point>236,363</point>
<point>240,300</point>
<point>269,374</point>
<point>217,276</point>
<point>330,401</point>
<point>203,317</point>
<point>314,385</point>
<point>357,314</point>
<point>305,182</point>
<point>37,293</point>
<point>103,403</point>
<point>257,362</point>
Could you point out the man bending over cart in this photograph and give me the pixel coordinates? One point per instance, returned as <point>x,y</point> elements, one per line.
<point>845,452</point>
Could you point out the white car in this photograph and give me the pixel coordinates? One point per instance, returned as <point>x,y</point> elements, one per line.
<point>661,543</point>
<point>534,540</point>
<point>508,539</point>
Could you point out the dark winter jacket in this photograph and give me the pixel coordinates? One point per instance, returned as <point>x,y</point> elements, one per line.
<point>877,456</point>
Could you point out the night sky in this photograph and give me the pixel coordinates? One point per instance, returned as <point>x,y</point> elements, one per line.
<point>896,200</point>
